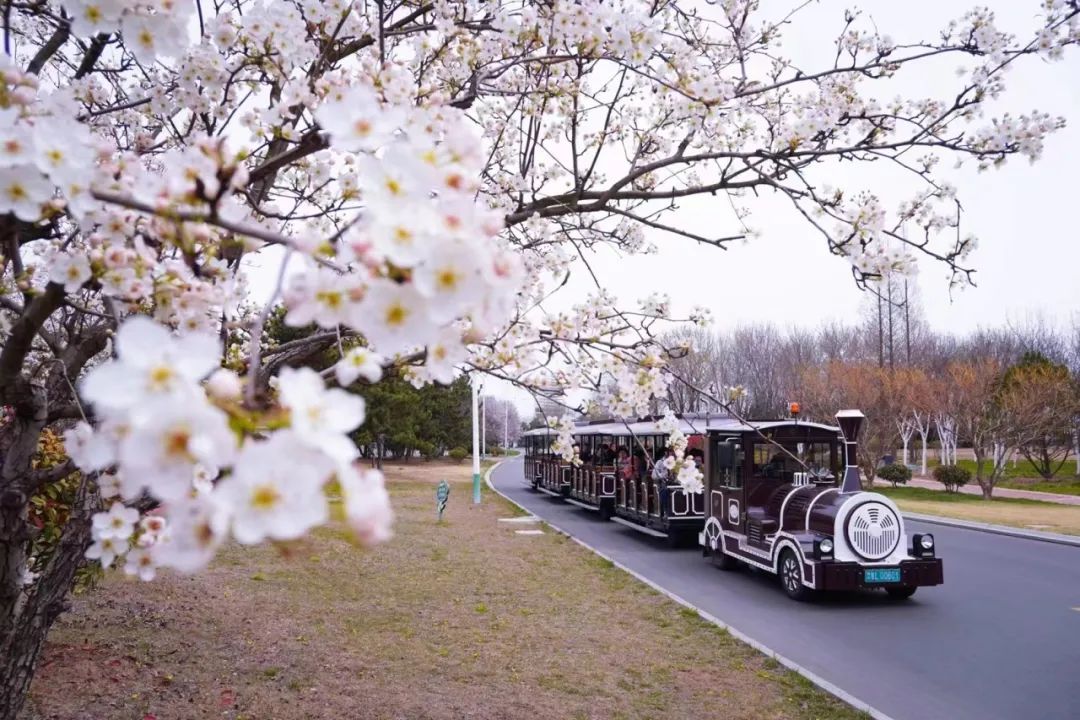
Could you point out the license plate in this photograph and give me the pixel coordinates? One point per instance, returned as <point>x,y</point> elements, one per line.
<point>881,575</point>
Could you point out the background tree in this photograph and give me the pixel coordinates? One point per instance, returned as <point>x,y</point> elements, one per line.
<point>839,385</point>
<point>971,390</point>
<point>1038,397</point>
<point>502,422</point>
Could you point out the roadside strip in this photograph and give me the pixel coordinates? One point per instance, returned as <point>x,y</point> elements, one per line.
<point>1073,540</point>
<point>765,650</point>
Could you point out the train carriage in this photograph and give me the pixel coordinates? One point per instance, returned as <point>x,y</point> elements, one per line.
<point>661,509</point>
<point>785,497</point>
<point>635,499</point>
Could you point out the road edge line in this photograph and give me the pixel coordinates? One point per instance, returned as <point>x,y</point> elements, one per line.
<point>790,664</point>
<point>995,529</point>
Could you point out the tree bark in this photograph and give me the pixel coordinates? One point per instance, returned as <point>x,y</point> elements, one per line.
<point>37,606</point>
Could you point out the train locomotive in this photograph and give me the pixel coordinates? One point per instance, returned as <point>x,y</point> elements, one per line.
<point>783,496</point>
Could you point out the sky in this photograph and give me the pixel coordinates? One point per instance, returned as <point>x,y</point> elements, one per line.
<point>1024,215</point>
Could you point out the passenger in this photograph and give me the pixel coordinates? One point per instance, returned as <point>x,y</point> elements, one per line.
<point>775,468</point>
<point>661,474</point>
<point>623,466</point>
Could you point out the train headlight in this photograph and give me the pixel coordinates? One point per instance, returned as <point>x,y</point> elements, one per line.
<point>823,549</point>
<point>922,545</point>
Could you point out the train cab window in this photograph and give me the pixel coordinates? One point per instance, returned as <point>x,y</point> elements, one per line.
<point>727,464</point>
<point>818,458</point>
<point>781,463</point>
<point>772,463</point>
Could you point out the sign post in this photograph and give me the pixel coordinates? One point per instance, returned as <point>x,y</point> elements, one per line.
<point>442,494</point>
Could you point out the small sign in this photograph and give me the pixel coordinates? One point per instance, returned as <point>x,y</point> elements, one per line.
<point>442,494</point>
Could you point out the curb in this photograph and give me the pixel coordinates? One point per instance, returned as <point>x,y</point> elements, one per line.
<point>763,649</point>
<point>1056,538</point>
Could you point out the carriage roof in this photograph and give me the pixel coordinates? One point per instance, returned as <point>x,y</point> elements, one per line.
<point>688,424</point>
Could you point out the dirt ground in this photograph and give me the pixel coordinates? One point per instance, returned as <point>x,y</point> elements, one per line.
<point>464,619</point>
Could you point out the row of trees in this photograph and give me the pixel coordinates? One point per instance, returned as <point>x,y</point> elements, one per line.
<point>1002,392</point>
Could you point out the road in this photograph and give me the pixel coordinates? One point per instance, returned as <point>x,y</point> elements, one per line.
<point>1000,640</point>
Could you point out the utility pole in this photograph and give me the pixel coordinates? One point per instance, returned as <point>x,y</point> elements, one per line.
<point>907,322</point>
<point>483,427</point>
<point>892,307</point>
<point>475,442</point>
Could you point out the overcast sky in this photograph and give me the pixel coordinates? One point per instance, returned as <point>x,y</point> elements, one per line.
<point>1024,215</point>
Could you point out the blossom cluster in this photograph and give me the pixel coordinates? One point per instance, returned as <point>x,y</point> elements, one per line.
<point>150,28</point>
<point>679,463</point>
<point>563,445</point>
<point>424,264</point>
<point>167,437</point>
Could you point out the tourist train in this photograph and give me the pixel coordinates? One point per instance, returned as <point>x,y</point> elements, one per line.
<point>783,496</point>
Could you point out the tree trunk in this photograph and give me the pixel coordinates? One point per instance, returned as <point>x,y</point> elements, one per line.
<point>37,607</point>
<point>922,436</point>
<point>27,611</point>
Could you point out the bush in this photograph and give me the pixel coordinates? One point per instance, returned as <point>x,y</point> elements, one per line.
<point>952,476</point>
<point>895,473</point>
<point>429,450</point>
<point>459,454</point>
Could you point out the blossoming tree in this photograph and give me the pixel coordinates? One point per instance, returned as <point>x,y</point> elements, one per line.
<point>432,171</point>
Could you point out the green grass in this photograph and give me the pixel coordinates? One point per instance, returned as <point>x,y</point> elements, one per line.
<point>1061,486</point>
<point>1020,470</point>
<point>917,493</point>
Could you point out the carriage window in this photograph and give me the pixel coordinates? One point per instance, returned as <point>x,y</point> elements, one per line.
<point>727,464</point>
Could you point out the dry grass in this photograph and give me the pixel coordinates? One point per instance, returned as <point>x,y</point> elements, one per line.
<point>460,620</point>
<point>1028,514</point>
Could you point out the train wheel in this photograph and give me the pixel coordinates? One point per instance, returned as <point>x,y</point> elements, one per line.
<point>900,593</point>
<point>791,576</point>
<point>725,561</point>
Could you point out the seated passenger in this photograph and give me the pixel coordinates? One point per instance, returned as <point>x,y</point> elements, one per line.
<point>661,475</point>
<point>623,466</point>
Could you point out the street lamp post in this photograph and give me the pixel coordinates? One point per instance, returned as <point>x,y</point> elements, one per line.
<point>483,426</point>
<point>475,442</point>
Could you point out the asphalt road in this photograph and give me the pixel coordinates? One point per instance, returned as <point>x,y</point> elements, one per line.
<point>1000,640</point>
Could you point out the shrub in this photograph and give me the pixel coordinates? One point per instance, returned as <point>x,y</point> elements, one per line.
<point>428,449</point>
<point>459,454</point>
<point>952,476</point>
<point>894,473</point>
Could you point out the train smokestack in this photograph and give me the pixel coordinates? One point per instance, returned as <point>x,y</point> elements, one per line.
<point>850,421</point>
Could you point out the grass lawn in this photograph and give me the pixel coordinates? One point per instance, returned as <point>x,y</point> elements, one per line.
<point>1030,514</point>
<point>1023,476</point>
<point>466,619</point>
<point>1062,484</point>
